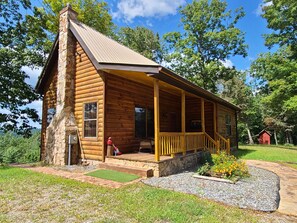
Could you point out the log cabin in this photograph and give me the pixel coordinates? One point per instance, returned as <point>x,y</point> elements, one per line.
<point>95,88</point>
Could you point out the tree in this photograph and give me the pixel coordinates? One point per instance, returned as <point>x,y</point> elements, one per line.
<point>281,17</point>
<point>210,38</point>
<point>278,72</point>
<point>15,93</point>
<point>26,41</point>
<point>250,118</point>
<point>143,41</point>
<point>93,13</point>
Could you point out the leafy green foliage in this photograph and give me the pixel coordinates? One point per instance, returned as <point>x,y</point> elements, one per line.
<point>281,17</point>
<point>15,93</point>
<point>16,149</point>
<point>278,88</point>
<point>210,37</point>
<point>204,169</point>
<point>227,166</point>
<point>143,41</point>
<point>224,166</point>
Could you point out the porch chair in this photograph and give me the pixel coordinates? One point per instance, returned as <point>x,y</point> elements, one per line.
<point>147,144</point>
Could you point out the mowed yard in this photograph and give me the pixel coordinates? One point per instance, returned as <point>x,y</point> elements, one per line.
<point>280,154</point>
<point>27,196</point>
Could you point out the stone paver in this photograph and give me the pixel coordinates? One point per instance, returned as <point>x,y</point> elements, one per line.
<point>288,184</point>
<point>79,176</point>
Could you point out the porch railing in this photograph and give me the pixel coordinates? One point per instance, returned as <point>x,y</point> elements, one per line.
<point>194,141</point>
<point>223,144</point>
<point>171,143</point>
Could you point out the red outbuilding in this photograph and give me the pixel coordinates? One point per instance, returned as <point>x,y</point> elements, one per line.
<point>264,137</point>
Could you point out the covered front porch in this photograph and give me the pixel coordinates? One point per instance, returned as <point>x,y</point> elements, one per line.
<point>178,121</point>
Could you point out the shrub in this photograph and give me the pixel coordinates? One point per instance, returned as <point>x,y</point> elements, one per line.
<point>204,169</point>
<point>224,166</point>
<point>227,166</point>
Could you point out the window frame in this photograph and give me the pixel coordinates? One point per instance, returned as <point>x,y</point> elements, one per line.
<point>83,121</point>
<point>228,124</point>
<point>146,122</point>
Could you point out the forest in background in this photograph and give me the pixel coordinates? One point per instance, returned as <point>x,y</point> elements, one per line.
<point>266,93</point>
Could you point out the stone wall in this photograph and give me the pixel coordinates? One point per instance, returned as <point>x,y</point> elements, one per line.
<point>162,168</point>
<point>63,123</point>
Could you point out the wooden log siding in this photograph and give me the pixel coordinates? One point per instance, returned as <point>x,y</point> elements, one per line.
<point>222,130</point>
<point>122,97</point>
<point>49,101</point>
<point>89,87</point>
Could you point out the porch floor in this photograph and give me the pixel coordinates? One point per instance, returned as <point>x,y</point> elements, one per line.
<point>142,157</point>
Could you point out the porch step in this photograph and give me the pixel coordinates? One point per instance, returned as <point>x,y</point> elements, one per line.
<point>127,169</point>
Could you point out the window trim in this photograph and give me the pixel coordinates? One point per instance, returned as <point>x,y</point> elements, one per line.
<point>83,121</point>
<point>228,124</point>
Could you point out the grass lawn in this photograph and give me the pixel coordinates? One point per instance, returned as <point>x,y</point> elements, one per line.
<point>281,154</point>
<point>113,175</point>
<point>27,196</point>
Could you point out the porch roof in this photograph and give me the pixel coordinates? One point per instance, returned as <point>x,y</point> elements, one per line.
<point>107,54</point>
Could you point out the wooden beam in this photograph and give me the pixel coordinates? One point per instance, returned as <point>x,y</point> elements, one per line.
<point>183,121</point>
<point>156,119</point>
<point>202,115</point>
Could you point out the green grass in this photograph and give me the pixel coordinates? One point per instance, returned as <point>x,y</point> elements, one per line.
<point>27,196</point>
<point>281,154</point>
<point>113,175</point>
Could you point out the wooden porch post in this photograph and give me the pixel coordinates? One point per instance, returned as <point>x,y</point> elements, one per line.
<point>203,121</point>
<point>156,119</point>
<point>183,121</point>
<point>202,115</point>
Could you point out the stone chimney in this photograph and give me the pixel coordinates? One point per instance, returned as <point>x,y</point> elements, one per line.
<point>66,63</point>
<point>63,123</point>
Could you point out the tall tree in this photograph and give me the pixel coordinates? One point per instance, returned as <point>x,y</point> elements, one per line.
<point>142,40</point>
<point>278,72</point>
<point>25,40</point>
<point>15,93</point>
<point>250,119</point>
<point>210,37</point>
<point>281,17</point>
<point>44,23</point>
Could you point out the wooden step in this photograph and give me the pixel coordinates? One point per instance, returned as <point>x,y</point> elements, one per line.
<point>126,169</point>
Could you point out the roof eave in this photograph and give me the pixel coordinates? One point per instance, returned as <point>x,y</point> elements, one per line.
<point>192,88</point>
<point>46,67</point>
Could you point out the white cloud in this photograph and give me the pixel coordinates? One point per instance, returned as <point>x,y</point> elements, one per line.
<point>259,10</point>
<point>130,9</point>
<point>33,75</point>
<point>227,63</point>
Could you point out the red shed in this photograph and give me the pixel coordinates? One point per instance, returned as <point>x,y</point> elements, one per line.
<point>264,137</point>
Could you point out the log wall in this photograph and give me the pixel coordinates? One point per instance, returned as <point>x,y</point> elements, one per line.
<point>222,111</point>
<point>49,101</point>
<point>89,87</point>
<point>123,96</point>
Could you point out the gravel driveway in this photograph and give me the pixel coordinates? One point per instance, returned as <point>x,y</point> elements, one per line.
<point>258,192</point>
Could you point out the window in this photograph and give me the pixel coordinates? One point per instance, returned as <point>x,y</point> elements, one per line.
<point>144,122</point>
<point>90,119</point>
<point>228,124</point>
<point>50,115</point>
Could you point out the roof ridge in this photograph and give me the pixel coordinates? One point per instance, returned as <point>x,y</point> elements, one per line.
<point>116,42</point>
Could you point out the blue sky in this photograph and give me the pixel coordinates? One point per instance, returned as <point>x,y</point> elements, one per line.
<point>162,16</point>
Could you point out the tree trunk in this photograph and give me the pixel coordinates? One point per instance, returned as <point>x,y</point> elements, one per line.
<point>275,137</point>
<point>251,141</point>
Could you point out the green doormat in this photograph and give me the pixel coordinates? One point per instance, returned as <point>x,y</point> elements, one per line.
<point>113,175</point>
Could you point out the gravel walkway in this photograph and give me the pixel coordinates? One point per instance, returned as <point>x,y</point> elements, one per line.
<point>258,192</point>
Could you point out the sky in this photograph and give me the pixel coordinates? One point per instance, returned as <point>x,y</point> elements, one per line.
<point>162,16</point>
